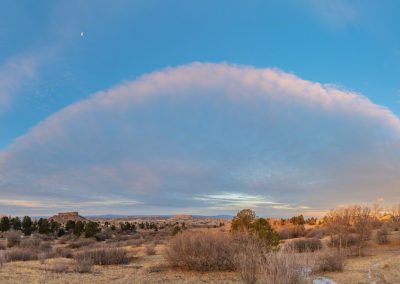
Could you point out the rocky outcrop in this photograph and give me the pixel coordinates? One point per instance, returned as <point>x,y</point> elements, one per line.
<point>67,216</point>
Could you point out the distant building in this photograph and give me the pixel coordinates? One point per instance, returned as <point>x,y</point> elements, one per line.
<point>64,217</point>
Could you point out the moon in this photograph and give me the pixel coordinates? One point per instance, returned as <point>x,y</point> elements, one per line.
<point>81,34</point>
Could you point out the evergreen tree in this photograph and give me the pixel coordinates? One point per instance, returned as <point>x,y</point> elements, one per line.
<point>91,229</point>
<point>70,226</point>
<point>16,223</point>
<point>27,225</point>
<point>5,224</point>
<point>78,228</point>
<point>44,226</point>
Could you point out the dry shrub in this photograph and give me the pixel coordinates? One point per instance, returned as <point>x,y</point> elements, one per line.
<point>42,255</point>
<point>67,238</point>
<point>201,251</point>
<point>21,254</point>
<point>331,262</point>
<point>382,236</point>
<point>305,245</point>
<point>31,242</point>
<point>13,238</point>
<point>292,232</point>
<point>81,243</point>
<point>248,259</point>
<point>287,266</point>
<point>317,232</point>
<point>63,252</point>
<point>348,241</point>
<point>104,256</point>
<point>46,246</point>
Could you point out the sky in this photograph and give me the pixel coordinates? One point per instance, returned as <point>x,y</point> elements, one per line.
<point>198,107</point>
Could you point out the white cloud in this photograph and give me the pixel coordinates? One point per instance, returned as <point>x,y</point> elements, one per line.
<point>174,138</point>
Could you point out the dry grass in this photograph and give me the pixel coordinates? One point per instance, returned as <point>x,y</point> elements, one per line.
<point>58,267</point>
<point>84,265</point>
<point>150,249</point>
<point>2,258</point>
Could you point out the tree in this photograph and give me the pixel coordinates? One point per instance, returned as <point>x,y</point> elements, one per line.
<point>5,224</point>
<point>70,226</point>
<point>297,220</point>
<point>16,223</point>
<point>61,232</point>
<point>338,222</point>
<point>363,225</point>
<point>263,230</point>
<point>43,226</point>
<point>91,229</point>
<point>242,221</point>
<point>27,225</point>
<point>78,228</point>
<point>54,226</point>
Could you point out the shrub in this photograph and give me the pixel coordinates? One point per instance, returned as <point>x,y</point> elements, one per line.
<point>283,267</point>
<point>81,243</point>
<point>348,241</point>
<point>104,256</point>
<point>305,245</point>
<point>201,251</point>
<point>291,232</point>
<point>46,246</point>
<point>63,252</point>
<point>91,229</point>
<point>13,238</point>
<point>248,259</point>
<point>331,263</point>
<point>382,236</point>
<point>318,233</point>
<point>21,254</point>
<point>150,249</point>
<point>33,243</point>
<point>42,255</point>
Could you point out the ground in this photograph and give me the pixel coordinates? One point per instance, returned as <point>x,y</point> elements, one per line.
<point>380,264</point>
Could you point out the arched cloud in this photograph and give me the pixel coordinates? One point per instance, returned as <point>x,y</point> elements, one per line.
<point>207,138</point>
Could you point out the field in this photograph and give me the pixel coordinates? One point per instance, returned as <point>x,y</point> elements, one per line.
<point>144,255</point>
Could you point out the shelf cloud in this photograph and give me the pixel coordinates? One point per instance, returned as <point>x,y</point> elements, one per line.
<point>206,138</point>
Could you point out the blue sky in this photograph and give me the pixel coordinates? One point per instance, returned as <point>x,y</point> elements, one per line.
<point>64,121</point>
